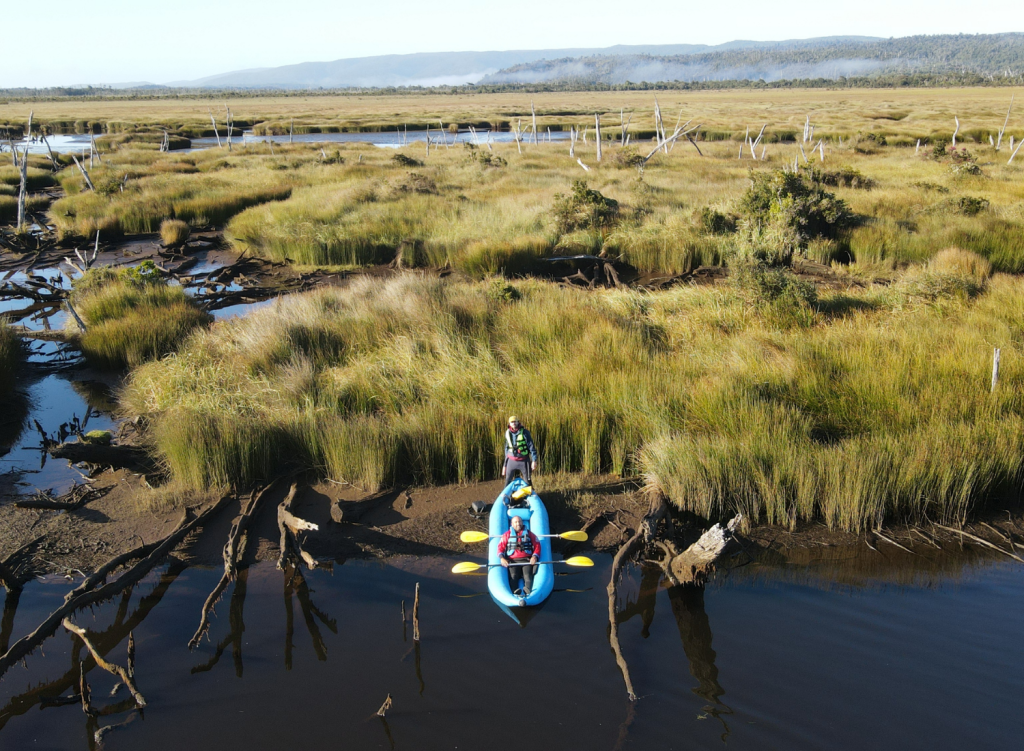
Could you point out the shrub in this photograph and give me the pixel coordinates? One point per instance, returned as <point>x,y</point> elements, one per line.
<point>968,205</point>
<point>583,208</point>
<point>628,157</point>
<point>939,149</point>
<point>713,221</point>
<point>174,232</point>
<point>784,211</point>
<point>847,177</point>
<point>406,161</point>
<point>777,291</point>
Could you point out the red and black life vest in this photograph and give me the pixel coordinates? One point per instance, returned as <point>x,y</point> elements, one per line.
<point>523,542</point>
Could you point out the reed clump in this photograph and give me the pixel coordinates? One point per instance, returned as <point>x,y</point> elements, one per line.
<point>11,353</point>
<point>861,409</point>
<point>174,232</point>
<point>132,316</point>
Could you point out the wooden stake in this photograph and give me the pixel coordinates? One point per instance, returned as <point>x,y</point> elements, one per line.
<point>416,615</point>
<point>995,369</point>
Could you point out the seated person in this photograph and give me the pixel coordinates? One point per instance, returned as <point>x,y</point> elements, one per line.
<point>519,545</point>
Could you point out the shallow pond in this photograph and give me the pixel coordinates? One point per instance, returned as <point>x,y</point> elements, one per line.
<point>761,659</point>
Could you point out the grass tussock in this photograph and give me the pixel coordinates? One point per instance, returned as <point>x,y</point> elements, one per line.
<point>132,317</point>
<point>174,232</point>
<point>854,408</point>
<point>11,353</point>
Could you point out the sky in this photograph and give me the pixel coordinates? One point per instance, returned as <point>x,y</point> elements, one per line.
<point>117,41</point>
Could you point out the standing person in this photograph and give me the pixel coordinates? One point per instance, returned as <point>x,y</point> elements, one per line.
<point>519,545</point>
<point>520,453</point>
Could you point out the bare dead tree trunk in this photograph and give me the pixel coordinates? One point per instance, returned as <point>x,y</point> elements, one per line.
<point>22,188</point>
<point>216,133</point>
<point>1014,150</point>
<point>533,114</point>
<point>957,130</point>
<point>1002,130</point>
<point>597,134</point>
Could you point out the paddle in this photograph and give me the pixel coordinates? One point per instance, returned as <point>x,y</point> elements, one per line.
<point>575,536</point>
<point>467,567</point>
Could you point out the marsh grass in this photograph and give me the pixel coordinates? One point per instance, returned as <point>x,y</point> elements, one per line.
<point>132,319</point>
<point>863,406</point>
<point>11,353</point>
<point>174,232</point>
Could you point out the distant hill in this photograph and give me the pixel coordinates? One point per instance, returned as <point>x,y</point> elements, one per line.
<point>457,68</point>
<point>993,55</point>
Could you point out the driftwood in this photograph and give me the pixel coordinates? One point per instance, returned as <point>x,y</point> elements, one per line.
<point>74,499</point>
<point>289,526</point>
<point>416,615</point>
<point>233,551</point>
<point>118,456</point>
<point>119,672</point>
<point>88,592</point>
<point>980,541</point>
<point>694,564</point>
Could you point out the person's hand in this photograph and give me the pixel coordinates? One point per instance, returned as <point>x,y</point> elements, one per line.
<point>503,471</point>
<point>533,559</point>
<point>533,466</point>
<point>504,562</point>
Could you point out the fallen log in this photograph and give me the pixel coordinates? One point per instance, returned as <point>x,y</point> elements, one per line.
<point>86,594</point>
<point>116,670</point>
<point>233,551</point>
<point>118,456</point>
<point>694,564</point>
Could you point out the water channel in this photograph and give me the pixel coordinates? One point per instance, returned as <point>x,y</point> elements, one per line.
<point>766,657</point>
<point>78,143</point>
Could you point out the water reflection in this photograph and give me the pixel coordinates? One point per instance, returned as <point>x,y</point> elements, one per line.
<point>695,633</point>
<point>236,623</point>
<point>48,694</point>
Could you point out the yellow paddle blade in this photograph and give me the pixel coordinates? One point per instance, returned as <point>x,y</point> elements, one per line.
<point>577,560</point>
<point>575,536</point>
<point>474,536</point>
<point>466,567</point>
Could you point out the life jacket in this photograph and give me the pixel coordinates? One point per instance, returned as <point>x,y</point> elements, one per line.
<point>516,443</point>
<point>523,542</point>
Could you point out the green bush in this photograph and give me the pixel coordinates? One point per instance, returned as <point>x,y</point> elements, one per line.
<point>784,211</point>
<point>583,208</point>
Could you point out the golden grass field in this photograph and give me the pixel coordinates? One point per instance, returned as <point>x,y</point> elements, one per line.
<point>917,112</point>
<point>862,401</point>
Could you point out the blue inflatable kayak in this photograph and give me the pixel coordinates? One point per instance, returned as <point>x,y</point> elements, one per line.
<point>535,517</point>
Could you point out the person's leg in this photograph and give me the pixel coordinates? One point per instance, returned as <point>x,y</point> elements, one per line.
<point>514,572</point>
<point>528,574</point>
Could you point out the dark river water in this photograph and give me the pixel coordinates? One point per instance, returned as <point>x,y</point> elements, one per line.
<point>765,658</point>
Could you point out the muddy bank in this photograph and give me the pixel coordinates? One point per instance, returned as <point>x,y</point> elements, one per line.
<point>122,511</point>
